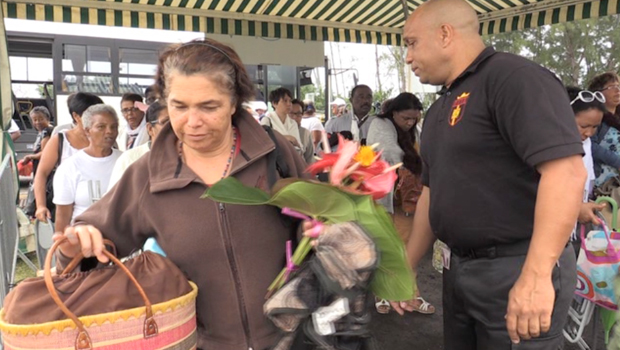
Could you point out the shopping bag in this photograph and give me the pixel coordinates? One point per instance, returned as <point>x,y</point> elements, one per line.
<point>94,309</point>
<point>598,263</point>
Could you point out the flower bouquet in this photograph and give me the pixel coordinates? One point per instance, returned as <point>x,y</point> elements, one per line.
<point>357,177</point>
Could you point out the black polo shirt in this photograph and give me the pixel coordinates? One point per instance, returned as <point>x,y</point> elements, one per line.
<point>481,143</point>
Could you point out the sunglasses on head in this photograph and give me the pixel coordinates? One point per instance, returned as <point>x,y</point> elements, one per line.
<point>589,96</point>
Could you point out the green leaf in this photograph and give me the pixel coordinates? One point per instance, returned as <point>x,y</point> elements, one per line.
<point>232,191</point>
<point>320,201</point>
<point>393,280</point>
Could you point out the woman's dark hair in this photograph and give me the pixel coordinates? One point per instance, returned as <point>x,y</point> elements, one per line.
<point>152,113</point>
<point>406,139</point>
<point>598,82</point>
<point>299,103</point>
<point>80,101</point>
<point>579,105</point>
<point>130,96</point>
<point>276,95</point>
<point>212,59</point>
<point>42,110</point>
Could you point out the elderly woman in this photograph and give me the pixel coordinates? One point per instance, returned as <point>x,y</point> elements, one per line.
<point>231,252</point>
<point>41,121</point>
<point>395,132</point>
<point>82,178</point>
<point>71,141</point>
<point>606,141</point>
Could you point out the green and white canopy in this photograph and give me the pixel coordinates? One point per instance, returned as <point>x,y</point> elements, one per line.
<point>362,21</point>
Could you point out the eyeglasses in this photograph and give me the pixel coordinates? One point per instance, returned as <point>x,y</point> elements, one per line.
<point>612,87</point>
<point>126,111</point>
<point>296,113</point>
<point>589,96</point>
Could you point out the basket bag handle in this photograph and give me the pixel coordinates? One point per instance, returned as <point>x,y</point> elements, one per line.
<point>614,210</point>
<point>83,341</point>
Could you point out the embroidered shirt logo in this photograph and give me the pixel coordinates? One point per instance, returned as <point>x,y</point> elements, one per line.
<point>458,108</point>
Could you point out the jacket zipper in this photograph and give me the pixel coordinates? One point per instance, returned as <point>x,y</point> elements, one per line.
<point>235,271</point>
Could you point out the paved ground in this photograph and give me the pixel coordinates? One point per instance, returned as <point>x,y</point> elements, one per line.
<point>425,332</point>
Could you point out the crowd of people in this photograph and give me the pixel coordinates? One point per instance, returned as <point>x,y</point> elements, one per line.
<point>504,166</point>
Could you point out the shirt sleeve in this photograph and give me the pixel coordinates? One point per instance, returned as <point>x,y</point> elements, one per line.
<point>533,113</point>
<point>65,184</point>
<point>316,125</point>
<point>383,132</point>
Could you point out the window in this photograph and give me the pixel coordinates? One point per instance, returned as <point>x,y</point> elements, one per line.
<point>137,70</point>
<point>91,59</point>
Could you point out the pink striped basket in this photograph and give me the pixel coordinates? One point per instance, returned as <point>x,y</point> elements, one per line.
<point>168,325</point>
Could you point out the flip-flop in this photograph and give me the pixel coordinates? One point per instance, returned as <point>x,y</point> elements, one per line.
<point>424,308</point>
<point>382,306</point>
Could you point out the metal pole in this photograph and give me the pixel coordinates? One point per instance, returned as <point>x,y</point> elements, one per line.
<point>327,89</point>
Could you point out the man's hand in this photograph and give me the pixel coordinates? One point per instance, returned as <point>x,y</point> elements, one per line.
<point>587,212</point>
<point>530,305</point>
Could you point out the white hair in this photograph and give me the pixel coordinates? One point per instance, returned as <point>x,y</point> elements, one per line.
<point>90,112</point>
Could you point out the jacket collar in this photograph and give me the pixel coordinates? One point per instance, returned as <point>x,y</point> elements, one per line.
<point>167,170</point>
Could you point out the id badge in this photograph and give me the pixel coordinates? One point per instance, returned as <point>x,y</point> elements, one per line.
<point>445,256</point>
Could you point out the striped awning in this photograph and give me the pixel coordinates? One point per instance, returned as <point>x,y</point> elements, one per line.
<point>362,21</point>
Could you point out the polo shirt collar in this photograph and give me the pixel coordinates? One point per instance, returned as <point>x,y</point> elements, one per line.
<point>483,56</point>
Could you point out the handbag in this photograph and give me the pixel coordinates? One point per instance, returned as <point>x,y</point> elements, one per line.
<point>144,302</point>
<point>598,263</point>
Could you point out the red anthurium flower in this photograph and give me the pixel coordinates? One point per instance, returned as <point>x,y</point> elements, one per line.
<point>379,186</point>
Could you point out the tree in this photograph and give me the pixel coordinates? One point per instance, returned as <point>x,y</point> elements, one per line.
<point>575,51</point>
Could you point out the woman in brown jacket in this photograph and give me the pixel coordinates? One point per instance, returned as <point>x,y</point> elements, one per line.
<point>231,252</point>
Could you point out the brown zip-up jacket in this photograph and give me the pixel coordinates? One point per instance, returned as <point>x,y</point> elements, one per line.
<point>231,252</point>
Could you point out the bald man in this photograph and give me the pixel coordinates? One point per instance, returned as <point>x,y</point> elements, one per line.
<point>503,181</point>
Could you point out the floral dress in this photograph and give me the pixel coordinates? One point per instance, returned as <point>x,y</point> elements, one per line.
<point>611,141</point>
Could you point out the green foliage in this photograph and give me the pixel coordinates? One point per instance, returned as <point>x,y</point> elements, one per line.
<point>575,51</point>
<point>382,95</point>
<point>393,279</point>
<point>319,96</point>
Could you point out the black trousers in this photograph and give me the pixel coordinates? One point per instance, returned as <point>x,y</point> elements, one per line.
<point>475,300</point>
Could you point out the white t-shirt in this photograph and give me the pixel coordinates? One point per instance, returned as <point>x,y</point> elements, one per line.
<point>125,160</point>
<point>81,180</point>
<point>312,124</point>
<point>588,162</point>
<point>67,149</point>
<point>13,127</point>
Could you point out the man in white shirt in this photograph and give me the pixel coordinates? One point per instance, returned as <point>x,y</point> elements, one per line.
<point>358,121</point>
<point>156,117</point>
<point>311,122</point>
<point>134,134</point>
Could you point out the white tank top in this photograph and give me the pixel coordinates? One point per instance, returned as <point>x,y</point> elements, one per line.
<point>67,149</point>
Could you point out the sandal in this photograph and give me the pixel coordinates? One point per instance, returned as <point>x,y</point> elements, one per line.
<point>424,308</point>
<point>382,306</point>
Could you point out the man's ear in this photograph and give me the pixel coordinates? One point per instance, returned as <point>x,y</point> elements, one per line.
<point>446,32</point>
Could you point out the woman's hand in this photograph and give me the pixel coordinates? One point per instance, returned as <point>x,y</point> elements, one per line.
<point>312,229</point>
<point>292,140</point>
<point>27,159</point>
<point>82,238</point>
<point>42,214</point>
<point>587,212</point>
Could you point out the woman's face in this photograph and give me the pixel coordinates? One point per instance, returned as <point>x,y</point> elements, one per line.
<point>283,107</point>
<point>588,121</point>
<point>39,121</point>
<point>200,112</point>
<point>103,131</point>
<point>407,119</point>
<point>611,90</point>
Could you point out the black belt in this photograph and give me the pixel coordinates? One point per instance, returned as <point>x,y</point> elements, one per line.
<point>492,252</point>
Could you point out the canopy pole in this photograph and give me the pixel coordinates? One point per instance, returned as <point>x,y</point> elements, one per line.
<point>405,8</point>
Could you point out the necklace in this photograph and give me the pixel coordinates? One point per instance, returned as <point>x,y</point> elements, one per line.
<point>232,153</point>
<point>231,157</point>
